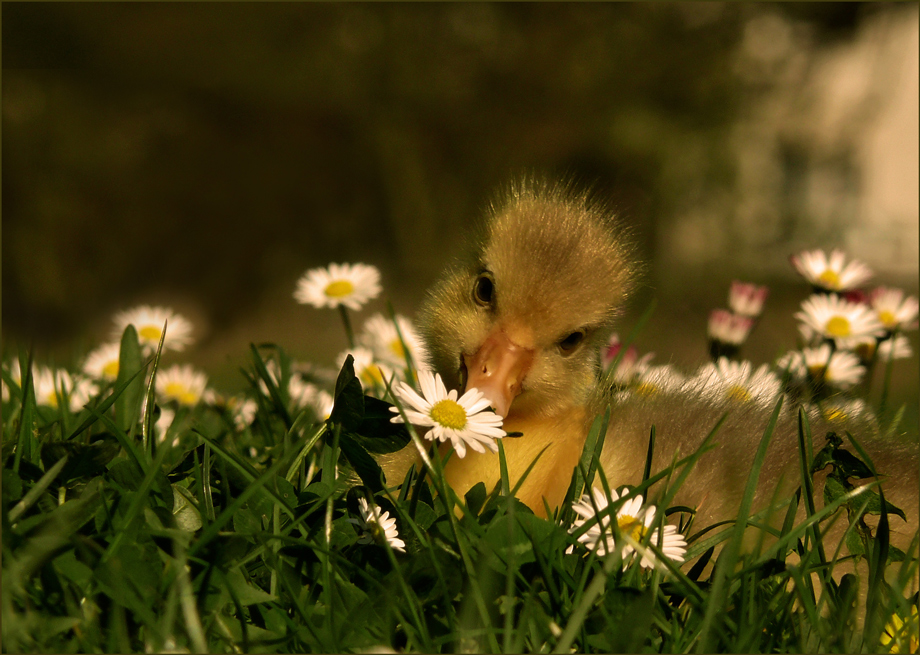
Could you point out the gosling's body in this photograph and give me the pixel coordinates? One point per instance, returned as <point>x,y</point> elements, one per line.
<point>523,320</point>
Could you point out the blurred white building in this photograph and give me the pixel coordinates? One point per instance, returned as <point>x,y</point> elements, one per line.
<point>828,156</point>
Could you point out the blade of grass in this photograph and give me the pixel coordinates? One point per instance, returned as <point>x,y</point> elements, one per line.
<point>27,416</point>
<point>247,472</point>
<point>207,534</point>
<point>37,490</point>
<point>726,563</point>
<point>147,421</point>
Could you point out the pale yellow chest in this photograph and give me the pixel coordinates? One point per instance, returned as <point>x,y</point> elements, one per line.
<point>560,440</point>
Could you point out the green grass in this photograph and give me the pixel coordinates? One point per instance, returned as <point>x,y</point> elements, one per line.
<point>238,540</point>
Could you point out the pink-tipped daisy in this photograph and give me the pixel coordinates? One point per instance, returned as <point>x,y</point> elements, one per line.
<point>831,273</point>
<point>348,285</point>
<point>728,328</point>
<point>832,317</point>
<point>465,421</point>
<point>149,321</point>
<point>747,299</point>
<point>377,527</point>
<point>630,366</point>
<point>894,310</point>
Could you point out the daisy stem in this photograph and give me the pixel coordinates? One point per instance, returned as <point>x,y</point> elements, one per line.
<point>349,333</point>
<point>886,382</point>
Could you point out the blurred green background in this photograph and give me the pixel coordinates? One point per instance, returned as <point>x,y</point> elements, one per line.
<point>204,155</point>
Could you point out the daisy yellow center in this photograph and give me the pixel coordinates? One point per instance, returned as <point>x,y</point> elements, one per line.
<point>150,333</point>
<point>817,371</point>
<point>835,414</point>
<point>631,526</point>
<point>339,289</point>
<point>829,279</point>
<point>646,389</point>
<point>449,413</point>
<point>838,326</point>
<point>372,375</point>
<point>181,393</point>
<point>52,400</point>
<point>397,348</point>
<point>110,370</point>
<point>887,318</point>
<point>739,393</point>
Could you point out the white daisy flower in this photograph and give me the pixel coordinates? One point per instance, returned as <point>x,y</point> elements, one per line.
<point>830,273</point>
<point>843,410</point>
<point>163,423</point>
<point>49,384</point>
<point>630,366</point>
<point>243,410</point>
<point>371,373</point>
<point>658,379</point>
<point>897,347</point>
<point>632,519</point>
<point>747,299</point>
<point>377,527</point>
<point>381,337</point>
<point>82,391</point>
<point>894,310</point>
<point>729,328</point>
<point>839,368</point>
<point>466,421</point>
<point>832,317</point>
<point>350,285</point>
<point>304,394</point>
<point>148,321</point>
<point>737,381</point>
<point>181,383</point>
<point>102,363</point>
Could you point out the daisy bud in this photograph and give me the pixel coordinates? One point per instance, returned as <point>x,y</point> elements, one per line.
<point>747,299</point>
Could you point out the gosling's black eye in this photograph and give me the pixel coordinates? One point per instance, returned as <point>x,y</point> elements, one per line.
<point>484,289</point>
<point>568,345</point>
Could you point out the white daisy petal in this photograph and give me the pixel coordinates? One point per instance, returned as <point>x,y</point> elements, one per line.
<point>894,310</point>
<point>832,317</point>
<point>633,520</point>
<point>349,285</point>
<point>102,363</point>
<point>181,383</point>
<point>377,527</point>
<point>732,381</point>
<point>465,421</point>
<point>149,321</point>
<point>830,273</point>
<point>380,335</point>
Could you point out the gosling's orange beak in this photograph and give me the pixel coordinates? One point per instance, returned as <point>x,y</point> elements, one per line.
<point>498,370</point>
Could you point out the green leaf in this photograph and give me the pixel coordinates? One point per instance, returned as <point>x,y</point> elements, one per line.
<point>348,410</point>
<point>365,466</point>
<point>246,592</point>
<point>85,461</point>
<point>12,486</point>
<point>874,506</point>
<point>128,404</point>
<point>476,497</point>
<point>376,433</point>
